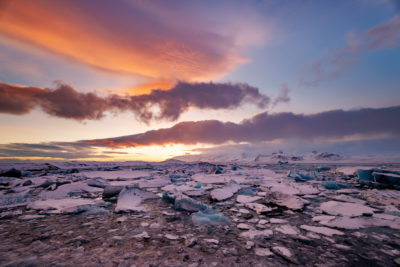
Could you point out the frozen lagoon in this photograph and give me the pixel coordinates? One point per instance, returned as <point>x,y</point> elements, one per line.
<point>251,214</point>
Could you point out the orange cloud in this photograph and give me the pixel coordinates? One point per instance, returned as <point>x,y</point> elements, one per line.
<point>146,88</point>
<point>122,38</point>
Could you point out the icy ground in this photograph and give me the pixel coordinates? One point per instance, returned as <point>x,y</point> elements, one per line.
<point>199,214</point>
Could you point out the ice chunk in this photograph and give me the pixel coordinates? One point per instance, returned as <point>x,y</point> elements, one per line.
<point>285,189</point>
<point>252,234</point>
<point>283,252</point>
<point>153,183</point>
<point>97,182</point>
<point>365,175</point>
<point>131,199</point>
<point>221,194</point>
<point>184,203</point>
<point>285,200</point>
<point>321,230</point>
<point>258,208</point>
<point>362,222</point>
<point>263,252</point>
<point>387,178</point>
<point>346,198</point>
<point>111,191</point>
<point>198,185</point>
<point>68,190</point>
<point>209,216</point>
<point>195,193</point>
<point>15,200</point>
<point>332,185</point>
<point>322,169</point>
<point>249,191</point>
<point>345,209</point>
<point>118,174</point>
<point>12,173</point>
<point>66,205</point>
<point>247,199</point>
<point>287,229</point>
<point>303,177</point>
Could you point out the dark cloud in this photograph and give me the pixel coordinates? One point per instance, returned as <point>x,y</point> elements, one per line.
<point>383,36</point>
<point>268,127</point>
<point>363,130</point>
<point>172,103</point>
<point>66,102</point>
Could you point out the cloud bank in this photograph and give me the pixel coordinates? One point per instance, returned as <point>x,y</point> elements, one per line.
<point>178,39</point>
<point>65,102</point>
<point>268,127</point>
<point>368,130</point>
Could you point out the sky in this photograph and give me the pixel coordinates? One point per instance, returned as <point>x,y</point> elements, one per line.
<point>151,80</point>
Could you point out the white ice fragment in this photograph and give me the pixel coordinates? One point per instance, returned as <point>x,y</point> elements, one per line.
<point>345,209</point>
<point>346,198</point>
<point>65,205</point>
<point>258,208</point>
<point>285,189</point>
<point>274,220</point>
<point>247,199</point>
<point>286,200</point>
<point>321,230</point>
<point>66,190</point>
<point>243,211</point>
<point>251,234</point>
<point>130,199</point>
<point>323,218</point>
<point>112,175</point>
<point>249,245</point>
<point>282,251</point>
<point>243,226</point>
<point>211,240</point>
<point>225,192</point>
<point>171,237</point>
<point>263,252</point>
<point>142,235</point>
<point>287,230</point>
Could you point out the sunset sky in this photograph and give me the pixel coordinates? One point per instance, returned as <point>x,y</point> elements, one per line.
<point>150,80</point>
